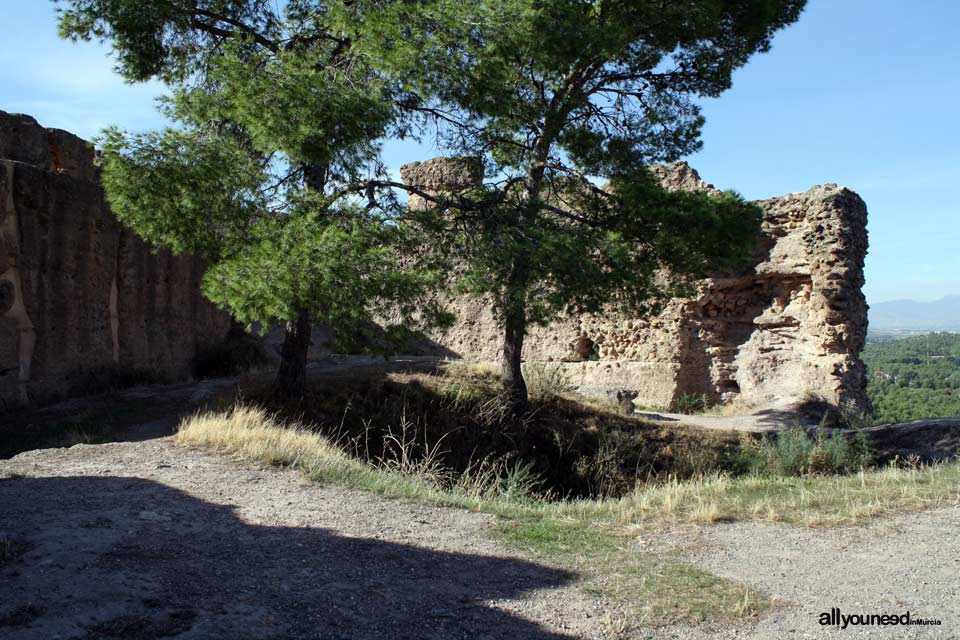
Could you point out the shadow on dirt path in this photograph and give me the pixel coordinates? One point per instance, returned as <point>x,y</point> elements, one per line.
<point>124,557</point>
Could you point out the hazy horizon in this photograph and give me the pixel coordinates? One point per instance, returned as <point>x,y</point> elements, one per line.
<point>919,300</point>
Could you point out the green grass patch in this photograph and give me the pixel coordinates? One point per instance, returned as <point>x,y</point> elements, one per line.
<point>645,587</point>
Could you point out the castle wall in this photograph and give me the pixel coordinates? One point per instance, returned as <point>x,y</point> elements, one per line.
<point>788,328</point>
<point>78,291</point>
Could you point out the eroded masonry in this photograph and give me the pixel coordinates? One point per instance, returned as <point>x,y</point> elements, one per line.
<point>789,328</point>
<point>79,292</point>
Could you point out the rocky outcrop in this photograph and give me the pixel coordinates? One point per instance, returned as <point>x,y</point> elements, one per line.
<point>78,291</point>
<point>788,328</point>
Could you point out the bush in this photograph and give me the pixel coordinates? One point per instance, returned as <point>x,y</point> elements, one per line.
<point>545,380</point>
<point>452,426</point>
<point>456,423</point>
<point>794,453</point>
<point>691,403</point>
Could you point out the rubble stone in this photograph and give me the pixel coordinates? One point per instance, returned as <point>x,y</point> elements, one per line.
<point>788,328</point>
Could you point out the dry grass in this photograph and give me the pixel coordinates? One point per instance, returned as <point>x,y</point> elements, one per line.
<point>594,537</point>
<point>471,369</point>
<point>251,434</point>
<point>734,408</point>
<point>816,501</point>
<point>459,417</point>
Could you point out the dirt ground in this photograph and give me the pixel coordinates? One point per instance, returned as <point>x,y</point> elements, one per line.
<point>140,540</point>
<point>892,565</point>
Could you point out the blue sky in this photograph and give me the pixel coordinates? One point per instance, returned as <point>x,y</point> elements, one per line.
<point>864,93</point>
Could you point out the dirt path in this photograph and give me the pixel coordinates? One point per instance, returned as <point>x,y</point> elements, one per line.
<point>140,541</point>
<point>765,421</point>
<point>909,562</point>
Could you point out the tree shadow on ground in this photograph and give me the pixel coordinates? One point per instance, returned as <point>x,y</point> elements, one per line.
<point>781,419</point>
<point>109,557</point>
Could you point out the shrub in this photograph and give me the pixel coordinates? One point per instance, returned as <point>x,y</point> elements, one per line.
<point>545,380</point>
<point>794,453</point>
<point>845,415</point>
<point>690,403</point>
<point>456,423</point>
<point>452,427</point>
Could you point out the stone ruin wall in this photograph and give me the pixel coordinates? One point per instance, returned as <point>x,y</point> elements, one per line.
<point>789,328</point>
<point>78,291</point>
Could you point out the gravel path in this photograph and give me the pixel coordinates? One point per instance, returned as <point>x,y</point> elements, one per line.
<point>140,540</point>
<point>909,562</point>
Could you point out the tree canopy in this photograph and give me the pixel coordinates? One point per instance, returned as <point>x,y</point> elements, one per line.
<point>914,378</point>
<point>566,103</point>
<point>277,123</point>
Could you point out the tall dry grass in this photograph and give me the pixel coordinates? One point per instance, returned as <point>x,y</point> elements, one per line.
<point>251,434</point>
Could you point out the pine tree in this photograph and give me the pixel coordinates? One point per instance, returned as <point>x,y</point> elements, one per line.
<point>566,102</point>
<point>278,128</point>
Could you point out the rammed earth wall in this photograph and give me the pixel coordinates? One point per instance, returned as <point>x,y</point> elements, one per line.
<point>78,291</point>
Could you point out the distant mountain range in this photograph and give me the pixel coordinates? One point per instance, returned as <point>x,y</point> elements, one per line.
<point>909,315</point>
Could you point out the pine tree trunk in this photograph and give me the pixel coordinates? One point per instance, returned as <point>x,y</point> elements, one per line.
<point>515,306</point>
<point>514,330</point>
<point>292,375</point>
<point>513,382</point>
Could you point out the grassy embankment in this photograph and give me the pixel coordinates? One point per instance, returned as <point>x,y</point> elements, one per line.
<point>575,484</point>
